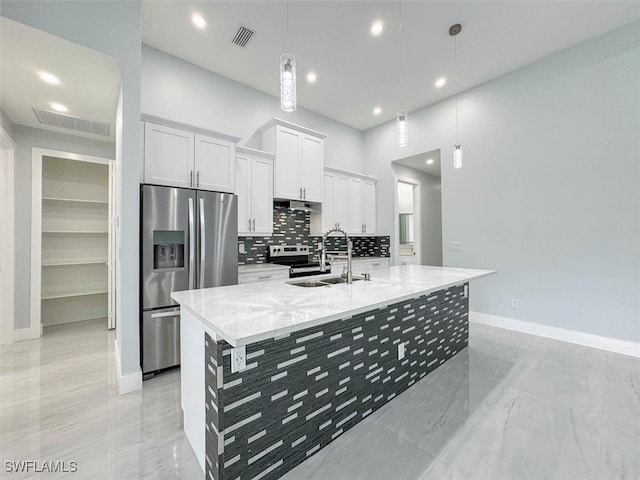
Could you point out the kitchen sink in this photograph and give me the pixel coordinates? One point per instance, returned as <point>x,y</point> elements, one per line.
<point>323,282</point>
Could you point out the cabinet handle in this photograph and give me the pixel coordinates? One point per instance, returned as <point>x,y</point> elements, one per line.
<point>198,179</point>
<point>191,178</point>
<point>254,224</point>
<point>249,224</point>
<point>264,276</point>
<point>300,193</point>
<point>304,191</point>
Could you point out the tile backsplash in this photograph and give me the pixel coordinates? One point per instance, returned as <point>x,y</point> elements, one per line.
<point>292,227</point>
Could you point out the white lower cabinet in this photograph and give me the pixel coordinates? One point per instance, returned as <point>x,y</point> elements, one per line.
<point>262,273</point>
<point>361,265</point>
<point>254,187</point>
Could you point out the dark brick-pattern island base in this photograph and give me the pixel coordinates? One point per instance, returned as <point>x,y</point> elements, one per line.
<point>302,391</point>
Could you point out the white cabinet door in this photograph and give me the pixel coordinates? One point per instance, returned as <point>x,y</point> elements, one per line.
<point>168,156</point>
<point>311,168</point>
<point>369,206</point>
<point>355,206</point>
<point>214,164</point>
<point>341,200</point>
<point>328,206</point>
<point>243,190</point>
<point>262,196</point>
<point>287,166</point>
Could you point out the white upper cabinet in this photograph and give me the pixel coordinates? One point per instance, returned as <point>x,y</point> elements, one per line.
<point>181,158</point>
<point>214,166</point>
<point>356,225</point>
<point>168,156</point>
<point>299,160</point>
<point>349,203</point>
<point>369,206</point>
<point>311,168</point>
<point>254,187</point>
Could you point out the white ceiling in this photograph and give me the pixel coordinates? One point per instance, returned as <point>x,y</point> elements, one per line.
<point>90,81</point>
<point>419,162</point>
<point>356,71</point>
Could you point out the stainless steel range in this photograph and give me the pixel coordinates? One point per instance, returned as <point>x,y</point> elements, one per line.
<point>297,258</point>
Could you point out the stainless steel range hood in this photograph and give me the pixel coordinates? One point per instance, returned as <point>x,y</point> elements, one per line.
<point>300,205</point>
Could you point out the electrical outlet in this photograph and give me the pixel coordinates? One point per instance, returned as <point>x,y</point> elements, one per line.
<point>456,246</point>
<point>241,248</point>
<point>515,303</point>
<point>400,351</point>
<point>238,359</point>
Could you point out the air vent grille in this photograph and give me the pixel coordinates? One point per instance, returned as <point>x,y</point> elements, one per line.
<point>62,120</point>
<point>243,36</point>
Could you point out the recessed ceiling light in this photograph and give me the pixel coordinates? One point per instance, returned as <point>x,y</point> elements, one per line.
<point>198,21</point>
<point>377,110</point>
<point>58,107</point>
<point>312,77</point>
<point>377,27</point>
<point>429,161</point>
<point>440,82</point>
<point>49,78</point>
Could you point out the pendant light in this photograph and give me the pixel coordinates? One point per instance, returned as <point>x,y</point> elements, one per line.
<point>288,99</point>
<point>454,30</point>
<point>402,119</point>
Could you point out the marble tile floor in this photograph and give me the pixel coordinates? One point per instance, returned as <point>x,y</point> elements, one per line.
<point>511,406</point>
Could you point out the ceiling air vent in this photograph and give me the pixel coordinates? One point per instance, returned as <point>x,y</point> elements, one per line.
<point>242,36</point>
<point>61,120</point>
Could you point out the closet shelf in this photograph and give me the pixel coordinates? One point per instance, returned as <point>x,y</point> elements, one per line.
<point>53,295</point>
<point>70,262</point>
<point>75,200</point>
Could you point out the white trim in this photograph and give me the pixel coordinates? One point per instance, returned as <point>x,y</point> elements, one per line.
<point>7,238</point>
<point>350,173</point>
<point>417,219</point>
<point>35,324</point>
<point>609,344</point>
<point>126,383</point>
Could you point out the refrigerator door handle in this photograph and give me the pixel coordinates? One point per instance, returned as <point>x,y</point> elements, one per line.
<point>203,251</point>
<point>192,246</point>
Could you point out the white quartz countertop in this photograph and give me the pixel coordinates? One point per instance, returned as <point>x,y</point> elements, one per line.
<point>244,314</point>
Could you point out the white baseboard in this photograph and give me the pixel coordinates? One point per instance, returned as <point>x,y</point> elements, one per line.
<point>130,382</point>
<point>28,333</point>
<point>571,336</point>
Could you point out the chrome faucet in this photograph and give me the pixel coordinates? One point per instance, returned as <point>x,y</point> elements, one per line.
<point>323,257</point>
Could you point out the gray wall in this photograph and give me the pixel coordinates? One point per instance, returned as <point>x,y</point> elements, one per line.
<point>113,28</point>
<point>26,138</point>
<point>183,92</point>
<point>549,190</point>
<point>430,213</point>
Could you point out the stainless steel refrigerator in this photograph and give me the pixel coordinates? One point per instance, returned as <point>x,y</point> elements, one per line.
<point>188,240</point>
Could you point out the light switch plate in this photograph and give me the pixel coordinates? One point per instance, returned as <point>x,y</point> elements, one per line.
<point>238,359</point>
<point>456,246</point>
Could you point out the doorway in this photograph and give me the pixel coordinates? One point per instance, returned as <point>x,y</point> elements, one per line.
<point>7,255</point>
<point>71,277</point>
<point>408,221</point>
<point>418,209</point>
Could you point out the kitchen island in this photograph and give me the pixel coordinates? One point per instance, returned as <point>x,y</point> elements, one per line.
<point>318,360</point>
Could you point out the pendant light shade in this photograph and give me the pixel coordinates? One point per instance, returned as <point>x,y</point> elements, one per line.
<point>288,82</point>
<point>402,129</point>
<point>457,156</point>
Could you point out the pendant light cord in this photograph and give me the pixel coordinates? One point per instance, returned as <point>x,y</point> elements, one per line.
<point>287,26</point>
<point>455,73</point>
<point>401,62</point>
